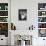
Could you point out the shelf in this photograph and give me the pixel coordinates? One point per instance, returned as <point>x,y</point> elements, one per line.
<point>42,16</point>
<point>41,22</point>
<point>3,16</point>
<point>41,10</point>
<point>41,28</point>
<point>3,10</point>
<point>3,22</point>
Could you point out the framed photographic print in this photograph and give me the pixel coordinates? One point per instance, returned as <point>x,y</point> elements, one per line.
<point>4,29</point>
<point>41,25</point>
<point>3,13</point>
<point>22,14</point>
<point>41,6</point>
<point>3,6</point>
<point>3,19</point>
<point>13,27</point>
<point>42,32</point>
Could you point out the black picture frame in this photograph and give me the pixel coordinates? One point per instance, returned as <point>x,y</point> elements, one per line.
<point>22,14</point>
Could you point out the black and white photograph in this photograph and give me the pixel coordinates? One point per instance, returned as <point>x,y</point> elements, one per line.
<point>3,19</point>
<point>3,6</point>
<point>22,14</point>
<point>41,19</point>
<point>41,6</point>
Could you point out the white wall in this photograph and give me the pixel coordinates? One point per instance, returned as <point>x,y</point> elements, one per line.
<point>31,6</point>
<point>32,14</point>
